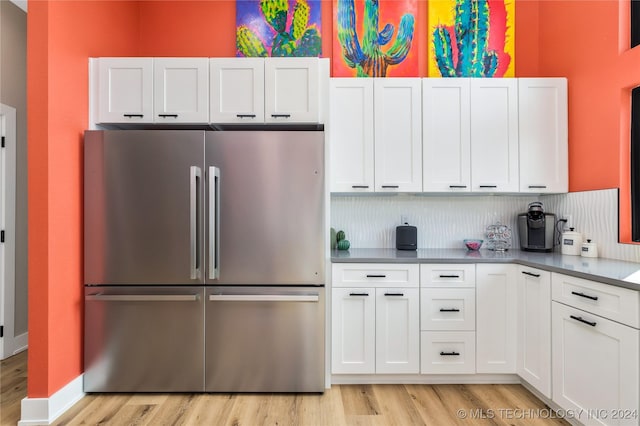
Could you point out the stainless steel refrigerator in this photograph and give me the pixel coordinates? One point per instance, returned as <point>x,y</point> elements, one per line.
<point>204,261</point>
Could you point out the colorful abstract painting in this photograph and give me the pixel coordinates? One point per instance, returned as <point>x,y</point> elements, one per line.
<point>471,38</point>
<point>278,28</point>
<point>375,38</point>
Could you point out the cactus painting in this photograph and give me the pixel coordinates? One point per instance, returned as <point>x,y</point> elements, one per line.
<point>471,38</point>
<point>374,38</point>
<point>278,28</point>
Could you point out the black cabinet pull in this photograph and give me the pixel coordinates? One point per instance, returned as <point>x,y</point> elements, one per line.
<point>488,186</point>
<point>394,294</point>
<point>531,273</point>
<point>592,324</point>
<point>358,294</point>
<point>168,115</point>
<point>449,276</point>
<point>376,276</point>
<point>133,115</point>
<point>449,310</point>
<point>391,186</point>
<point>281,115</point>
<point>359,186</point>
<point>457,186</point>
<point>246,115</point>
<point>449,353</point>
<point>537,186</point>
<point>586,296</point>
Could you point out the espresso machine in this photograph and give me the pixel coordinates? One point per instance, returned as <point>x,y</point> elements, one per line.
<point>536,228</point>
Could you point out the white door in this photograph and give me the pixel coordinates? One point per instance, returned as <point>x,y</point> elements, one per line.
<point>181,90</point>
<point>291,87</point>
<point>543,135</point>
<point>125,90</point>
<point>237,90</point>
<point>446,143</point>
<point>494,134</point>
<point>351,134</point>
<point>534,328</point>
<point>7,228</point>
<point>398,133</point>
<point>496,297</point>
<point>595,367</point>
<point>353,331</point>
<point>397,330</point>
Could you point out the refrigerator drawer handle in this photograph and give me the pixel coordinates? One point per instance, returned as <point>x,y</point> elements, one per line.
<point>262,298</point>
<point>195,175</point>
<point>214,223</point>
<point>142,297</point>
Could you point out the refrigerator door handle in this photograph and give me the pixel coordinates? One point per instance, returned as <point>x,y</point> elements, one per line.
<point>214,222</point>
<point>263,298</point>
<point>142,297</point>
<point>195,176</point>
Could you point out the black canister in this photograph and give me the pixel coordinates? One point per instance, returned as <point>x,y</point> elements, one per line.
<point>406,237</point>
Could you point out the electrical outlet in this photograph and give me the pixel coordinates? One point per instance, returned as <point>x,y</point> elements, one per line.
<point>404,219</point>
<point>569,220</point>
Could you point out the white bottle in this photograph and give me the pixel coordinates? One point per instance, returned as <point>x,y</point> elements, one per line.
<point>571,242</point>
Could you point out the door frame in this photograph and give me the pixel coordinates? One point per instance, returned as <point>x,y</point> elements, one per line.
<point>7,223</point>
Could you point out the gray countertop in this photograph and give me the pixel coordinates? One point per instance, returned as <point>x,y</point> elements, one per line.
<point>615,272</point>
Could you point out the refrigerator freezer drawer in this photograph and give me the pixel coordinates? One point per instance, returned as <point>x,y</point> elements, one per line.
<point>144,339</point>
<point>264,339</point>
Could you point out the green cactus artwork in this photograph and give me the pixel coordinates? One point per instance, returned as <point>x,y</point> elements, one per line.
<point>366,55</point>
<point>278,28</point>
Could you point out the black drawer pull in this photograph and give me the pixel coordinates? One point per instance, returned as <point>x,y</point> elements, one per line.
<point>358,294</point>
<point>246,115</point>
<point>394,294</point>
<point>133,115</point>
<point>586,296</point>
<point>488,186</point>
<point>449,353</point>
<point>449,310</point>
<point>449,276</point>
<point>531,273</point>
<point>360,186</point>
<point>376,276</point>
<point>457,186</point>
<point>281,115</point>
<point>592,324</point>
<point>168,115</point>
<point>537,186</point>
<point>391,186</point>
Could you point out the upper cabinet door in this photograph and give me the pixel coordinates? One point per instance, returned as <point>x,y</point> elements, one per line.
<point>446,143</point>
<point>543,135</point>
<point>181,90</point>
<point>125,87</point>
<point>494,134</point>
<point>237,90</point>
<point>351,134</point>
<point>398,130</point>
<point>291,90</point>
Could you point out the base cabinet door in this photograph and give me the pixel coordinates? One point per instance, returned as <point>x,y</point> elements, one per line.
<point>397,330</point>
<point>533,362</point>
<point>496,318</point>
<point>353,331</point>
<point>595,367</point>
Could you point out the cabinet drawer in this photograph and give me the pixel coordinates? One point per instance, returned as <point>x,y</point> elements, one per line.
<point>448,352</point>
<point>447,275</point>
<point>448,309</point>
<point>375,274</point>
<point>616,303</point>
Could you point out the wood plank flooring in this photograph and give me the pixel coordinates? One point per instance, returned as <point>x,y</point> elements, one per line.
<point>371,405</point>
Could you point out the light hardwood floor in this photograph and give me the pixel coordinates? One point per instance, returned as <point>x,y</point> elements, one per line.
<point>341,405</point>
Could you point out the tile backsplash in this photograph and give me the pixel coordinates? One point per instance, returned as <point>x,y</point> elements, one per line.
<point>443,222</point>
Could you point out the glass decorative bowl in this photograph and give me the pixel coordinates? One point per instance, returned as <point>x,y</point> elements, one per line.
<point>473,244</point>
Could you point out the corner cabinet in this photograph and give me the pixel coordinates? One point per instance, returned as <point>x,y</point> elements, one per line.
<point>543,135</point>
<point>125,90</point>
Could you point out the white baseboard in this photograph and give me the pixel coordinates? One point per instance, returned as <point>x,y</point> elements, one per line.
<point>44,411</point>
<point>21,343</point>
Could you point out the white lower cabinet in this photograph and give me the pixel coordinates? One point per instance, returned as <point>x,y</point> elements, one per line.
<point>533,362</point>
<point>496,329</point>
<point>448,352</point>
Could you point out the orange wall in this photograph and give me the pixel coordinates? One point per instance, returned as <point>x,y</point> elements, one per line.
<point>61,37</point>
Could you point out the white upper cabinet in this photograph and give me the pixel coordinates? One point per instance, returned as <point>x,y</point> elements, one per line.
<point>125,90</point>
<point>446,143</point>
<point>237,90</point>
<point>543,135</point>
<point>292,90</point>
<point>351,134</point>
<point>398,134</point>
<point>494,135</point>
<point>181,90</point>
